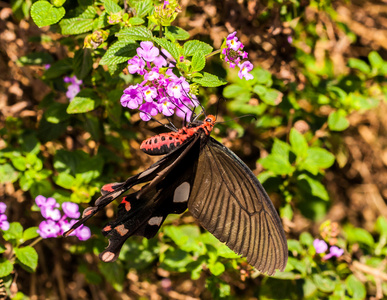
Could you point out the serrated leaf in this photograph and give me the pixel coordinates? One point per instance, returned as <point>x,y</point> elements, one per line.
<point>56,113</point>
<point>143,8</point>
<point>281,148</point>
<point>6,268</point>
<point>359,235</point>
<point>198,61</point>
<point>138,33</point>
<point>85,101</point>
<point>298,143</point>
<point>15,232</point>
<point>323,283</point>
<point>337,120</point>
<point>210,80</point>
<point>316,187</point>
<point>120,51</point>
<point>233,90</point>
<point>44,13</point>
<point>58,68</point>
<point>169,46</point>
<point>83,22</point>
<point>134,21</point>
<point>28,257</point>
<point>191,47</point>
<point>216,268</point>
<point>111,6</point>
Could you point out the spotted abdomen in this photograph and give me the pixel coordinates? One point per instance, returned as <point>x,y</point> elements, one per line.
<point>162,143</point>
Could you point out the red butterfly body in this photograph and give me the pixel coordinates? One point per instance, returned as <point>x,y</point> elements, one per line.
<point>204,176</point>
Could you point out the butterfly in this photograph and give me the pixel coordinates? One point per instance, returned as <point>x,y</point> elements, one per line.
<point>200,174</point>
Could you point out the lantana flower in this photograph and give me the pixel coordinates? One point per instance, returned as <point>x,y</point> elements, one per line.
<point>4,224</point>
<point>74,88</point>
<point>55,224</point>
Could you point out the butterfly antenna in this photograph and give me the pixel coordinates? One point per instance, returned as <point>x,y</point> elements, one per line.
<point>237,118</point>
<point>217,107</point>
<point>172,127</point>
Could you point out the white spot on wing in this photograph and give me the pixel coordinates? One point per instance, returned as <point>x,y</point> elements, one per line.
<point>182,192</point>
<point>147,172</point>
<point>155,221</point>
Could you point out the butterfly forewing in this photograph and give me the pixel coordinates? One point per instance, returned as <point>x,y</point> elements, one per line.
<point>230,203</point>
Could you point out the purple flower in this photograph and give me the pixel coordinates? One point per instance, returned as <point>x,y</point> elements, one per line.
<point>65,225</point>
<point>160,61</point>
<point>166,2</point>
<point>3,207</point>
<point>49,212</point>
<point>71,210</point>
<point>320,246</point>
<point>4,224</point>
<point>232,42</point>
<point>148,109</point>
<point>148,52</point>
<point>245,68</point>
<point>150,93</point>
<point>152,74</point>
<point>83,233</point>
<point>166,107</point>
<point>178,88</point>
<point>42,201</point>
<point>47,66</point>
<point>132,97</point>
<point>290,39</point>
<point>334,252</point>
<point>48,229</point>
<point>136,65</point>
<point>72,80</point>
<point>72,91</point>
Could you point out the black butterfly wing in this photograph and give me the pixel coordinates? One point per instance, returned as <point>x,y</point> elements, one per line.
<point>142,213</point>
<point>230,202</point>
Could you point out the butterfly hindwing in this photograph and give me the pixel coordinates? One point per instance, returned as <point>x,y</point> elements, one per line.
<point>229,202</point>
<point>142,213</point>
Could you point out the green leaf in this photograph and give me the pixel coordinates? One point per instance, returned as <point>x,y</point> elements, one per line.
<point>65,180</point>
<point>306,239</point>
<point>216,268</point>
<point>355,287</point>
<point>6,268</point>
<point>316,187</point>
<point>323,283</point>
<point>30,233</point>
<point>58,3</point>
<point>359,64</point>
<point>337,120</point>
<point>381,225</point>
<point>120,51</point>
<point>111,6</point>
<point>226,252</point>
<point>281,148</point>
<point>44,13</point>
<point>318,158</point>
<point>359,235</point>
<point>210,80</point>
<point>184,236</point>
<point>285,211</point>
<point>15,232</point>
<point>85,101</point>
<point>233,90</point>
<point>169,46</point>
<point>83,22</point>
<point>143,8</point>
<point>28,257</point>
<point>178,33</point>
<point>83,62</point>
<point>298,143</point>
<point>198,61</point>
<point>191,47</point>
<point>278,164</point>
<point>8,173</point>
<point>134,21</point>
<point>375,59</point>
<point>138,33</point>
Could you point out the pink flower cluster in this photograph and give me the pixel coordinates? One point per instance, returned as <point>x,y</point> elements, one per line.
<point>4,224</point>
<point>234,56</point>
<point>161,91</point>
<point>321,247</point>
<point>55,224</point>
<point>74,88</point>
